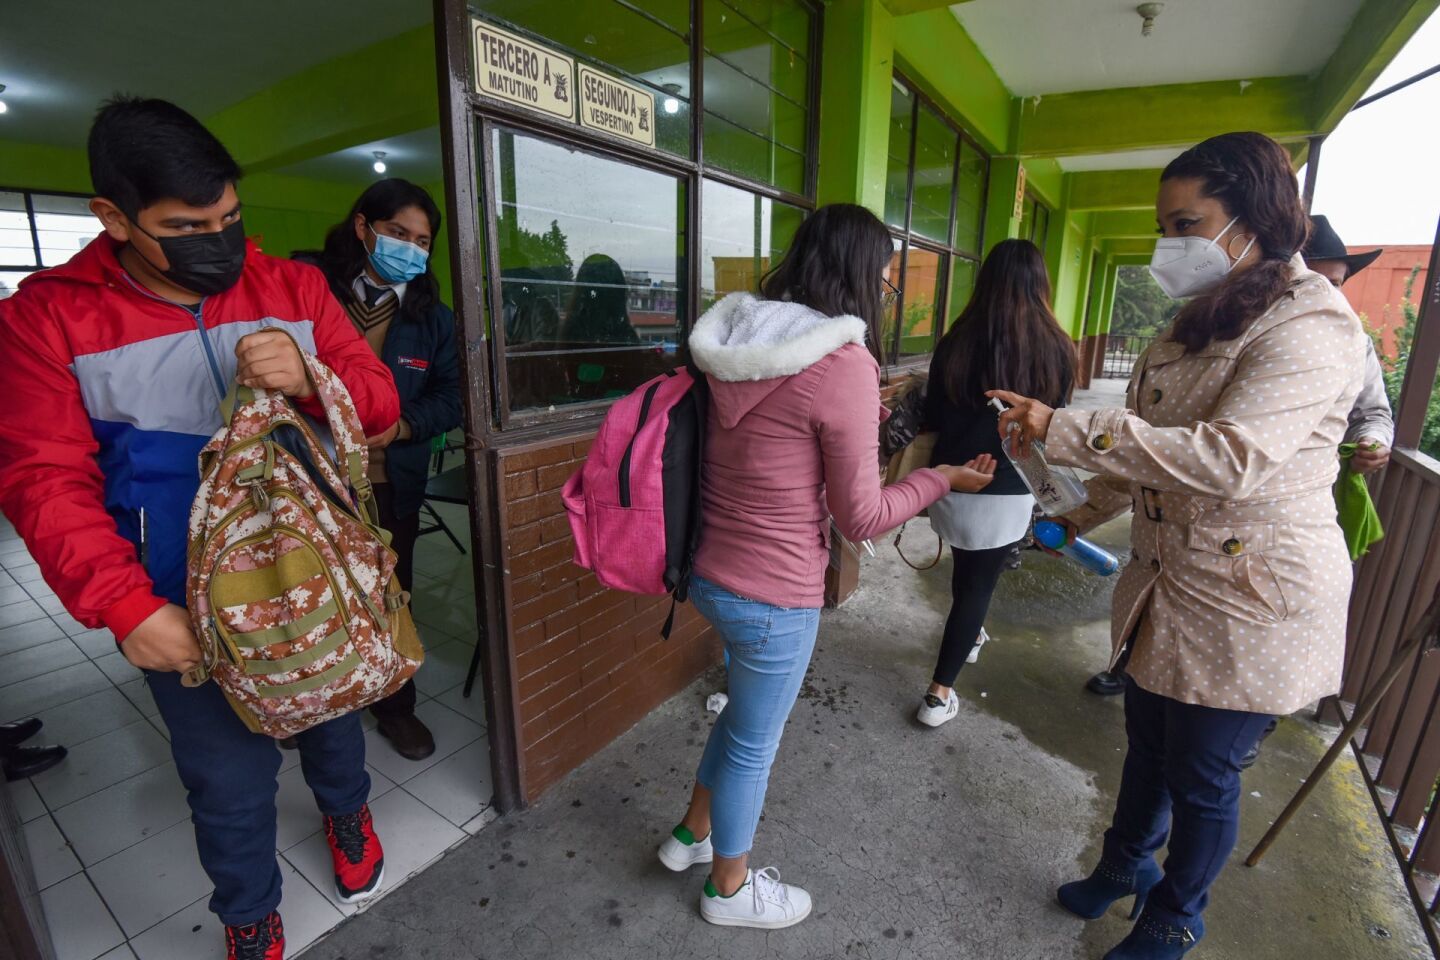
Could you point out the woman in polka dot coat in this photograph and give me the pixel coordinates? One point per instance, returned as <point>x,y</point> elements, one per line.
<point>1234,600</point>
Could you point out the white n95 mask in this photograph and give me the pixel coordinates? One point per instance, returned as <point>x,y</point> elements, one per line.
<point>1192,266</point>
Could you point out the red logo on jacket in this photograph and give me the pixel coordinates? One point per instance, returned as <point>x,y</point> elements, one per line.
<point>414,363</point>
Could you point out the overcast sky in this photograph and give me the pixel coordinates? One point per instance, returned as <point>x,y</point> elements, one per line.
<point>1380,170</point>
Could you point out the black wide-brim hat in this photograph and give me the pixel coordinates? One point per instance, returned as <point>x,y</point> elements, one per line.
<point>1325,244</point>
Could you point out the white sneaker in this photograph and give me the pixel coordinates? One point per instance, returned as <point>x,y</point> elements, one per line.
<point>980,641</point>
<point>933,712</point>
<point>678,855</point>
<point>762,901</point>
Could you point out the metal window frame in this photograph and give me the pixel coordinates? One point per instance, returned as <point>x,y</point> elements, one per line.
<point>690,171</point>
<point>893,362</point>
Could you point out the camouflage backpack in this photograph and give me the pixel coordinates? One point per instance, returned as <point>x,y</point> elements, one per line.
<point>291,582</point>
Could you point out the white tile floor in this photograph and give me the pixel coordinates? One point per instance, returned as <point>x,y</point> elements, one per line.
<point>109,830</point>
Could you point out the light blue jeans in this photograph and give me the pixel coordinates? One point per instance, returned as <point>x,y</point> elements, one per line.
<point>769,650</point>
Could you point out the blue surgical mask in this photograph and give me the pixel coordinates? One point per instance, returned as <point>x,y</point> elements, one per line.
<point>396,260</point>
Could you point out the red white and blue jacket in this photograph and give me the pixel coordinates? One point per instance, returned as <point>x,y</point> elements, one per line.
<point>109,394</point>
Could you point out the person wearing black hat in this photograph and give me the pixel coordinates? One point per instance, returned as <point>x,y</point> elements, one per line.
<point>1372,426</point>
<point>20,762</point>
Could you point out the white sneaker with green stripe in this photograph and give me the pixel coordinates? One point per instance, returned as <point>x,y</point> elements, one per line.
<point>762,901</point>
<point>681,850</point>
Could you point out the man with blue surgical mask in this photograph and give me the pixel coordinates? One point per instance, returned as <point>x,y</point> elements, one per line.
<point>377,262</point>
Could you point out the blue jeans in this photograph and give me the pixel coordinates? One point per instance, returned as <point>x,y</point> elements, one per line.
<point>769,649</point>
<point>1181,779</point>
<point>229,775</point>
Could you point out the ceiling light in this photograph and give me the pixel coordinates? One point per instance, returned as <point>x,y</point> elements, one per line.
<point>379,161</point>
<point>671,103</point>
<point>1148,12</point>
<point>3,107</point>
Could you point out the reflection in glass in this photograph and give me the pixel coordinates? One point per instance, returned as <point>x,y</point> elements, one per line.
<point>970,199</point>
<point>936,144</point>
<point>897,164</point>
<point>573,335</point>
<point>742,237</point>
<point>922,301</point>
<point>757,89</point>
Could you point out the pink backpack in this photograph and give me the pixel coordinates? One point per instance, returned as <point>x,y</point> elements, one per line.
<point>635,506</point>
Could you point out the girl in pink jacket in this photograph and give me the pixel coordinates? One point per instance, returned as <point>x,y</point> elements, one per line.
<point>793,440</point>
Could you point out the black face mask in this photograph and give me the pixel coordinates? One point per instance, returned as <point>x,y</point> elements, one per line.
<point>203,263</point>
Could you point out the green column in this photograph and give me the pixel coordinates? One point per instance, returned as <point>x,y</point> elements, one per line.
<point>856,68</point>
<point>1000,223</point>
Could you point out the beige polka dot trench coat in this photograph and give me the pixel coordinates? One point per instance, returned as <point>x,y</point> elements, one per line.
<point>1239,581</point>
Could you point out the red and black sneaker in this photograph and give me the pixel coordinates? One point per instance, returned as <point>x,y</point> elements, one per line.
<point>359,861</point>
<point>256,941</point>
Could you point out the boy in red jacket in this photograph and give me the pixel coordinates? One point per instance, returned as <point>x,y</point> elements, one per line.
<point>116,364</point>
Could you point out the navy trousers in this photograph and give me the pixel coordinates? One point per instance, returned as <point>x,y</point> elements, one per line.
<point>229,774</point>
<point>1181,780</point>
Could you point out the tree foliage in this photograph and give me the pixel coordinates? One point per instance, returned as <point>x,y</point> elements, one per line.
<point>1395,368</point>
<point>1141,307</point>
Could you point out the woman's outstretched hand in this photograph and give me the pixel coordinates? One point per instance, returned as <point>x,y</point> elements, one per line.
<point>975,475</point>
<point>1028,419</point>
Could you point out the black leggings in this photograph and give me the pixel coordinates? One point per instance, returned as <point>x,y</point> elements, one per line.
<point>972,583</point>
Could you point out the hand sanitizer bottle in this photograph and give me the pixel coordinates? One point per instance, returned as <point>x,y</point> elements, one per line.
<point>1057,489</point>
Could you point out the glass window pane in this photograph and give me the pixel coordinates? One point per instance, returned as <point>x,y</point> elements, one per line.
<point>786,21</point>
<point>592,265</point>
<point>618,40</point>
<point>962,284</point>
<point>742,236</point>
<point>923,275</point>
<point>970,199</point>
<point>65,224</point>
<point>744,102</point>
<point>743,153</point>
<point>935,146</point>
<point>17,247</point>
<point>757,83</point>
<point>897,167</point>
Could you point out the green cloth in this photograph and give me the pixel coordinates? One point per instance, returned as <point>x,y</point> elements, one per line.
<point>1358,519</point>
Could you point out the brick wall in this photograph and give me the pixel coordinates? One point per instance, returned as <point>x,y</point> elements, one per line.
<point>588,663</point>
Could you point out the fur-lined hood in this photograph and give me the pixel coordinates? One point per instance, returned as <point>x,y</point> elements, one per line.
<point>745,338</point>
<point>749,347</point>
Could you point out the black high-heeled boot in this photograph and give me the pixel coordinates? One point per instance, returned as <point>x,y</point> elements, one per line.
<point>1159,936</point>
<point>1091,897</point>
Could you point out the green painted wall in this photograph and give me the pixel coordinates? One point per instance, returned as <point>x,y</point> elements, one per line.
<point>856,66</point>
<point>938,55</point>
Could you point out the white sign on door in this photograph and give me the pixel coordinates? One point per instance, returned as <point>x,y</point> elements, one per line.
<point>513,68</point>
<point>616,107</point>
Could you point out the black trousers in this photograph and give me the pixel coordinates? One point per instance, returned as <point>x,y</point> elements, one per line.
<point>403,533</point>
<point>972,584</point>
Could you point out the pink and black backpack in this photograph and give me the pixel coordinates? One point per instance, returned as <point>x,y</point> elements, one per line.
<point>635,505</point>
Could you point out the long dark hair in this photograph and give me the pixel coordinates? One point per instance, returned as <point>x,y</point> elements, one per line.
<point>1007,338</point>
<point>345,256</point>
<point>1251,177</point>
<point>836,264</point>
<point>599,306</point>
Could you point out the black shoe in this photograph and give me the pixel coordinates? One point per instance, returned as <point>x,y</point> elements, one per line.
<point>14,734</point>
<point>1106,684</point>
<point>22,762</point>
<point>408,735</point>
<point>287,743</point>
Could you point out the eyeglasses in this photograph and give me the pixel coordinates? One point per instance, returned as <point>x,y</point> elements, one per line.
<point>890,297</point>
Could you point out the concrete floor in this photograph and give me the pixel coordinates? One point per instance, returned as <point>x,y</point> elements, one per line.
<point>915,843</point>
